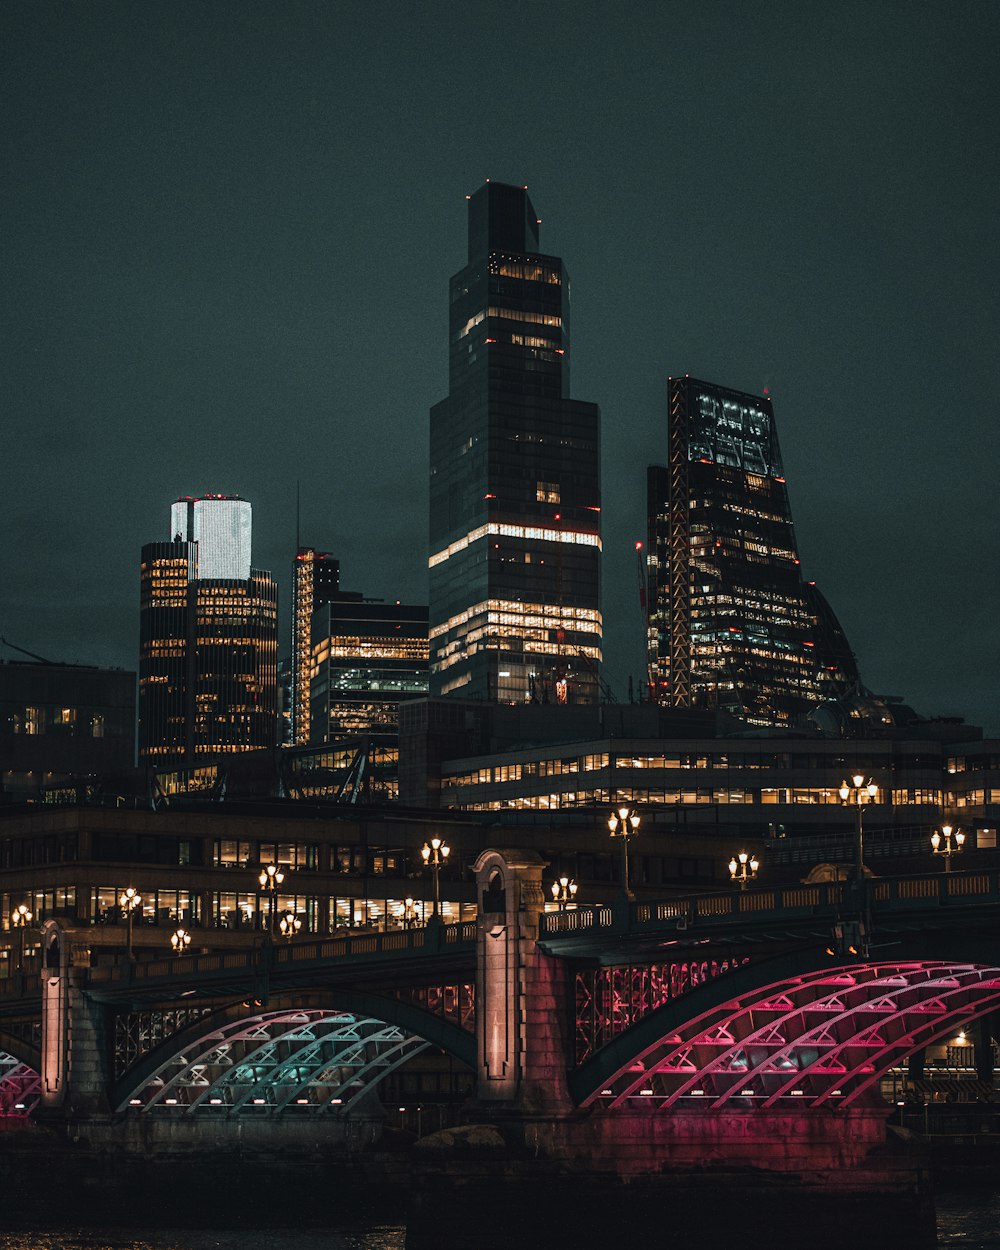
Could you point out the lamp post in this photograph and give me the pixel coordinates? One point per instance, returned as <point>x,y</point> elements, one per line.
<point>180,940</point>
<point>269,879</point>
<point>20,918</point>
<point>564,892</point>
<point>409,912</point>
<point>856,794</point>
<point>947,851</point>
<point>289,925</point>
<point>128,901</point>
<point>435,856</point>
<point>743,868</point>
<point>624,823</point>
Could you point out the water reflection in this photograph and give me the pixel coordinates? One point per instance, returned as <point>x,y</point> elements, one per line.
<point>373,1237</point>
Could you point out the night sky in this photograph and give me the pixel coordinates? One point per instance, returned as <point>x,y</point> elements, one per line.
<point>228,233</point>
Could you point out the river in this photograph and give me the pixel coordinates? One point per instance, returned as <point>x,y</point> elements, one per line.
<point>965,1222</point>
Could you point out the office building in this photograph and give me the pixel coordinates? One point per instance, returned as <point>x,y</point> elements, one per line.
<point>315,583</point>
<point>732,625</point>
<point>515,504</point>
<point>208,644</point>
<point>368,657</point>
<point>59,722</point>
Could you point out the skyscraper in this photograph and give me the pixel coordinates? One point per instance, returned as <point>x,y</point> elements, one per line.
<point>731,624</point>
<point>515,504</point>
<point>315,583</point>
<point>207,638</point>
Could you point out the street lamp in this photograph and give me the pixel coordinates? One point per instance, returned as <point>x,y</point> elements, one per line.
<point>20,918</point>
<point>128,901</point>
<point>857,793</point>
<point>743,868</point>
<point>409,913</point>
<point>624,824</point>
<point>435,856</point>
<point>947,851</point>
<point>269,879</point>
<point>564,892</point>
<point>289,925</point>
<point>180,940</point>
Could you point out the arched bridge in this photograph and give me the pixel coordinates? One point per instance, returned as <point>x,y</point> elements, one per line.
<point>726,1003</point>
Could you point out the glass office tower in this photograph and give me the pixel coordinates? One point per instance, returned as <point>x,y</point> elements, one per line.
<point>731,624</point>
<point>315,583</point>
<point>515,506</point>
<point>207,644</point>
<point>367,658</point>
<point>221,525</point>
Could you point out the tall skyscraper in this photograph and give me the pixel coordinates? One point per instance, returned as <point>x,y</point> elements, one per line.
<point>515,503</point>
<point>315,583</point>
<point>207,638</point>
<point>731,624</point>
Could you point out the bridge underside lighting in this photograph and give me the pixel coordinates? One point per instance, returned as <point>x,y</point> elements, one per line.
<point>818,1036</point>
<point>306,1061</point>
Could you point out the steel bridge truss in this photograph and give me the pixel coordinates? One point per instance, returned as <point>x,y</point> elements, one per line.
<point>299,1061</point>
<point>20,1087</point>
<point>611,999</point>
<point>823,1038</point>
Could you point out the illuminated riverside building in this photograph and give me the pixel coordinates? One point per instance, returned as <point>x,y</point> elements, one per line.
<point>207,645</point>
<point>315,582</point>
<point>515,533</point>
<point>732,626</point>
<point>701,771</point>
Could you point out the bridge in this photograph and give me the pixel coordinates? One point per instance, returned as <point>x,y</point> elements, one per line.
<point>750,1028</point>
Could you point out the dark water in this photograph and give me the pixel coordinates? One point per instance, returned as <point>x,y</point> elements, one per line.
<point>965,1222</point>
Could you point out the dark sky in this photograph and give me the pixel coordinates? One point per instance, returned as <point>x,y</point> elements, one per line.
<point>229,228</point>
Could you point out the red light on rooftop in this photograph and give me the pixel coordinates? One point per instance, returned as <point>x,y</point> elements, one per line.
<point>491,340</point>
<point>809,644</point>
<point>558,516</point>
<point>638,546</point>
<point>489,496</point>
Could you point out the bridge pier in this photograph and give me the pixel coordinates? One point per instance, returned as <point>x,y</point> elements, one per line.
<point>74,1075</point>
<point>521,993</point>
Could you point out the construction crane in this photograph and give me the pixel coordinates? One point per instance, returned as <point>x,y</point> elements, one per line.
<point>40,658</point>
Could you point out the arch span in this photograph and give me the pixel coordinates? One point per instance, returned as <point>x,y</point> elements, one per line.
<point>303,1053</point>
<point>805,1028</point>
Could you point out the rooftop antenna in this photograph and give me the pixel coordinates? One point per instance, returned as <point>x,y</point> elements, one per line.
<point>298,515</point>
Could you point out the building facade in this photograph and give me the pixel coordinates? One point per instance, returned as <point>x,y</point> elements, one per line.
<point>60,721</point>
<point>367,658</point>
<point>315,583</point>
<point>732,625</point>
<point>207,645</point>
<point>515,520</point>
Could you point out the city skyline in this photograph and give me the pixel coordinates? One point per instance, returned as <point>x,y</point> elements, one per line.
<point>215,287</point>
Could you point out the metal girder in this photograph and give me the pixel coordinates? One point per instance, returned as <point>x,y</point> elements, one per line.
<point>818,1035</point>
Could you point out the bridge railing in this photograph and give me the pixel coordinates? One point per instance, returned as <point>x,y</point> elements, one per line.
<point>941,889</point>
<point>429,939</point>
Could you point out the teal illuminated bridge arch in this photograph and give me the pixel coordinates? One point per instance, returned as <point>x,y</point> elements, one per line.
<point>307,1055</point>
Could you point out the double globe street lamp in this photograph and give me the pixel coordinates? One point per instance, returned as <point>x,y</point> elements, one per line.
<point>624,823</point>
<point>269,879</point>
<point>435,856</point>
<point>20,918</point>
<point>128,901</point>
<point>947,851</point>
<point>743,868</point>
<point>564,892</point>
